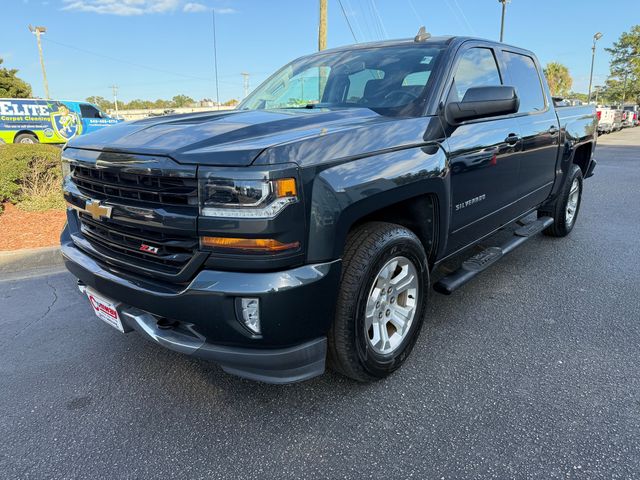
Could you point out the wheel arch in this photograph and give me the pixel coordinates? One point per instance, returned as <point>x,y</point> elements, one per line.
<point>416,197</point>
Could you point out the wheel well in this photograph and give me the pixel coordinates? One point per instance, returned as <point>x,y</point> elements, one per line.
<point>582,156</point>
<point>24,132</point>
<point>418,214</point>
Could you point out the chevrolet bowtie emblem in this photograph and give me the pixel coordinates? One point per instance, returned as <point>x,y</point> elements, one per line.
<point>97,210</point>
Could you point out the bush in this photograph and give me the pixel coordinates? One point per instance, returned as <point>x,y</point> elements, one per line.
<point>31,176</point>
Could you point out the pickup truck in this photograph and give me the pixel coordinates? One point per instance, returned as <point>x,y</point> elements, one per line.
<point>303,229</point>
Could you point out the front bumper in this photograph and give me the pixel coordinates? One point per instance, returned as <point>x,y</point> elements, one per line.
<point>296,309</point>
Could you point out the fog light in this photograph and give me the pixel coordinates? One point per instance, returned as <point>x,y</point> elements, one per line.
<point>249,313</point>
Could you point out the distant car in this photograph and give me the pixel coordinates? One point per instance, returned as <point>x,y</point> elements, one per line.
<point>630,116</point>
<point>26,120</point>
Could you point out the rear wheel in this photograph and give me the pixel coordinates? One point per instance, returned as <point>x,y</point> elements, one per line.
<point>564,210</point>
<point>381,303</point>
<point>28,138</point>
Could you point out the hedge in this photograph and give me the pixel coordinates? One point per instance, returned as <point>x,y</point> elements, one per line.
<point>31,176</point>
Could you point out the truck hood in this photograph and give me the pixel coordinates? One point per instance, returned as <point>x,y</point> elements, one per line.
<point>232,138</point>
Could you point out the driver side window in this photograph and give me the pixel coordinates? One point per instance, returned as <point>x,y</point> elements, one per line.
<point>477,68</point>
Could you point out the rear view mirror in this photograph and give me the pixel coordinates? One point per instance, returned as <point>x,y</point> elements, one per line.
<point>480,102</point>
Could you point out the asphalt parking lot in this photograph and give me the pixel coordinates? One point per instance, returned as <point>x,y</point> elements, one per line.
<point>530,371</point>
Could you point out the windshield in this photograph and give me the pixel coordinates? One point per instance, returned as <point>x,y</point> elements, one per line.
<point>392,81</point>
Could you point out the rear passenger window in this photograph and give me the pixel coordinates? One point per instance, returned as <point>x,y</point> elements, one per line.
<point>477,68</point>
<point>89,111</point>
<point>524,76</point>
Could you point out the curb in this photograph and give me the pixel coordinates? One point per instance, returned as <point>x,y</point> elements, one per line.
<point>30,258</point>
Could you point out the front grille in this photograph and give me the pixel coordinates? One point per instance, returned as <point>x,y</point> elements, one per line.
<point>117,184</point>
<point>124,242</point>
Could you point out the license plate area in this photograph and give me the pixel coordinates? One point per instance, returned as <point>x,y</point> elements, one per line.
<point>105,309</point>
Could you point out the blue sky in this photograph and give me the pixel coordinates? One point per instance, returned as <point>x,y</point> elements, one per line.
<point>160,48</point>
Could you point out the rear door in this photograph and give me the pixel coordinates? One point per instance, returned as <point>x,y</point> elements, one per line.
<point>484,154</point>
<point>538,125</point>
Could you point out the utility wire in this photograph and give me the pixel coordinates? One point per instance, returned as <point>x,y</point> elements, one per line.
<point>147,67</point>
<point>464,17</point>
<point>415,12</point>
<point>348,22</point>
<point>377,13</point>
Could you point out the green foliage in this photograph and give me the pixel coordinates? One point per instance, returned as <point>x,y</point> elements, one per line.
<point>558,78</point>
<point>101,102</point>
<point>625,68</point>
<point>182,101</point>
<point>30,175</point>
<point>11,86</point>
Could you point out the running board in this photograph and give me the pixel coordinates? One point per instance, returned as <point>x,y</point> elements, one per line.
<point>484,259</point>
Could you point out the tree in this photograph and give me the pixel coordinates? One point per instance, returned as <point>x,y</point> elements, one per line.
<point>231,103</point>
<point>624,67</point>
<point>182,101</point>
<point>11,86</point>
<point>558,78</point>
<point>101,102</point>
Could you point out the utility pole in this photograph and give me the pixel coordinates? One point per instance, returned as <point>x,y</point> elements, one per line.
<point>215,57</point>
<point>245,82</point>
<point>37,31</point>
<point>322,26</point>
<point>504,10</point>
<point>114,88</point>
<point>596,37</point>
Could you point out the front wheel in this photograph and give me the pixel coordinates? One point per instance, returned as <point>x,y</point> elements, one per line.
<point>27,138</point>
<point>564,210</point>
<point>381,303</point>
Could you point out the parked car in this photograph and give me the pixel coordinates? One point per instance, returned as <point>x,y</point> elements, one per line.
<point>48,121</point>
<point>630,116</point>
<point>609,119</point>
<point>302,228</point>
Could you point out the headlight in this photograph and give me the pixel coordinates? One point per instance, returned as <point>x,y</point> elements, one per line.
<point>246,198</point>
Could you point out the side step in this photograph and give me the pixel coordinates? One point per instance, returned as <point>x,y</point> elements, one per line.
<point>483,260</point>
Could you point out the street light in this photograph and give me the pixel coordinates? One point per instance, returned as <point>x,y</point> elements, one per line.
<point>504,8</point>
<point>596,37</point>
<point>37,31</point>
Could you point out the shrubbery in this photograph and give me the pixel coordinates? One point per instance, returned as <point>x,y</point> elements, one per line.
<point>31,176</point>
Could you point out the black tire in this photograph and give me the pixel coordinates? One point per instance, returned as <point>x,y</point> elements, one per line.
<point>561,227</point>
<point>368,249</point>
<point>28,138</point>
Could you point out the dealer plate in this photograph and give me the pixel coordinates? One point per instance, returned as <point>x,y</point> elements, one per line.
<point>105,309</point>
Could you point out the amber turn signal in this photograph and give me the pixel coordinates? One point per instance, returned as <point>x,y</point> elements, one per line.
<point>249,244</point>
<point>286,187</point>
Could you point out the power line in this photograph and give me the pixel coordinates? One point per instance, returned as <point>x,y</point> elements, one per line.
<point>147,67</point>
<point>415,12</point>
<point>348,22</point>
<point>464,17</point>
<point>377,13</point>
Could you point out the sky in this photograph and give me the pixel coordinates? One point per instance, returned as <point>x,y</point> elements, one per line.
<point>160,48</point>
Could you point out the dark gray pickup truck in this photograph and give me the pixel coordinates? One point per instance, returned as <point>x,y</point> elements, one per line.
<point>301,229</point>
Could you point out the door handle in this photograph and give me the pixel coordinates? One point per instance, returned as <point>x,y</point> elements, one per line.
<point>512,139</point>
<point>553,130</point>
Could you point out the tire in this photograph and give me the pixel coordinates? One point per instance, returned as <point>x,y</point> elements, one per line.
<point>563,222</point>
<point>370,248</point>
<point>28,138</point>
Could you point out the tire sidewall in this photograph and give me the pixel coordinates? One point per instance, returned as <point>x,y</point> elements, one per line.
<point>374,363</point>
<point>576,173</point>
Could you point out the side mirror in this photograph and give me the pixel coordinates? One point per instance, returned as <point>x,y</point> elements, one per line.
<point>480,102</point>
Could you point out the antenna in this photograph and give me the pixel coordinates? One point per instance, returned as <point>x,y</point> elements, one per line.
<point>422,35</point>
